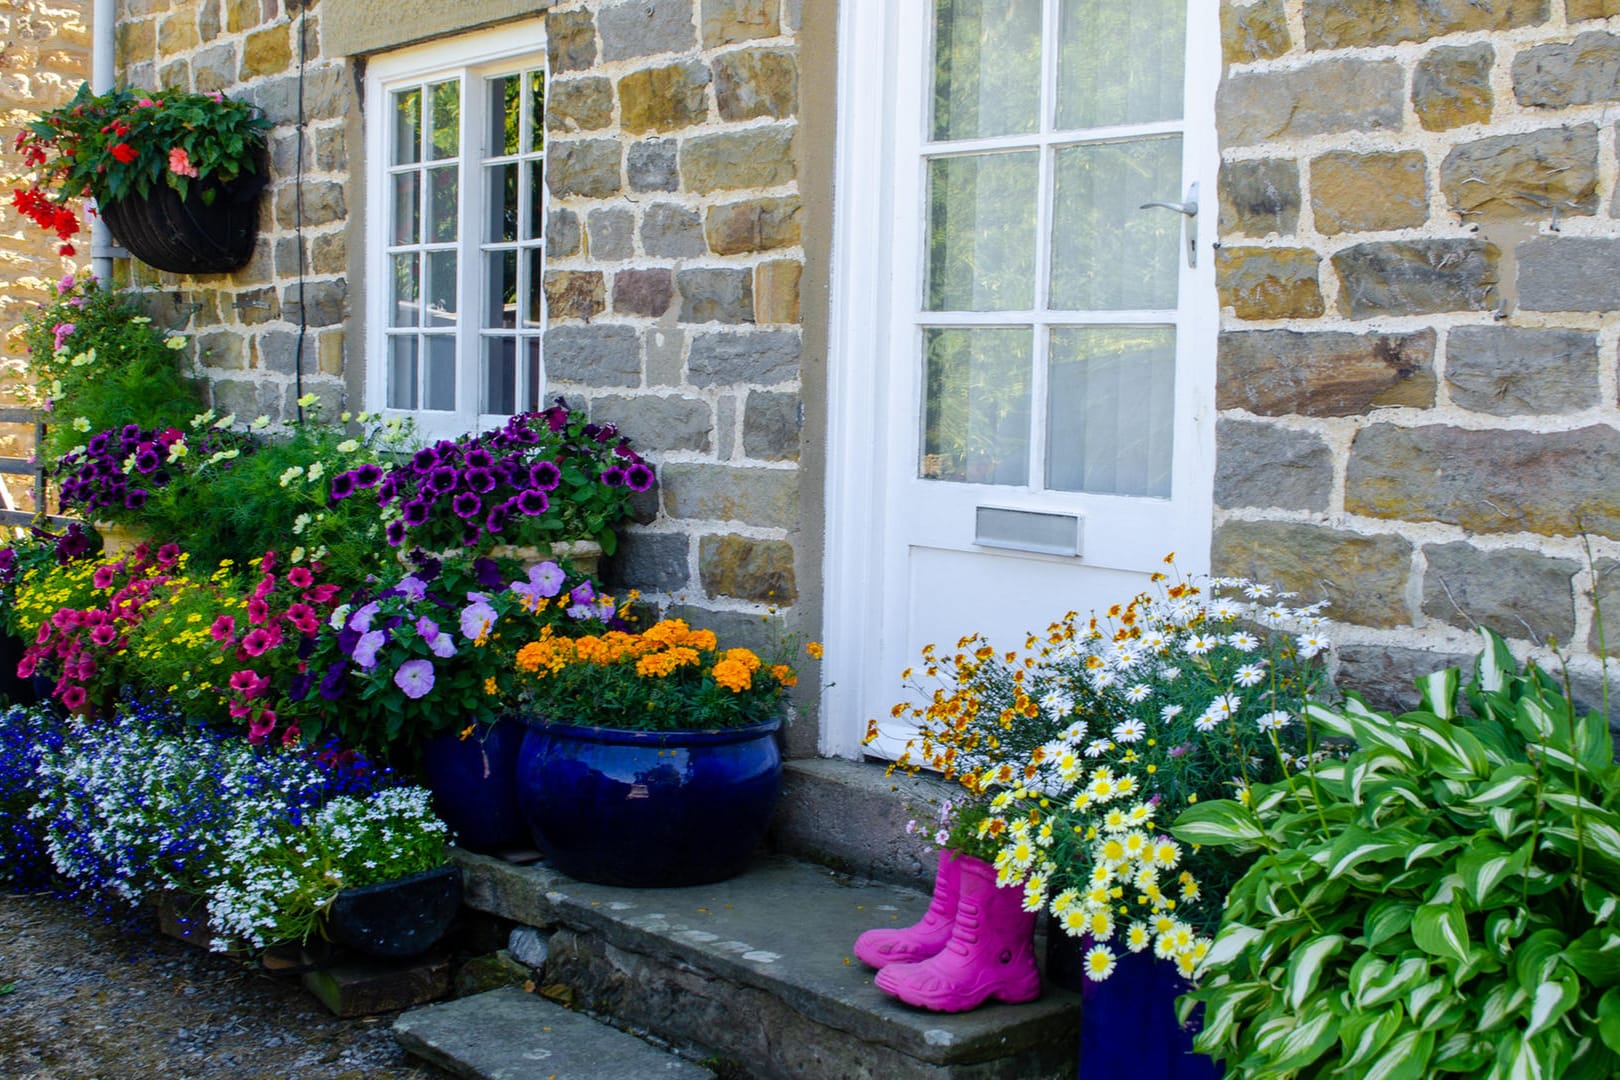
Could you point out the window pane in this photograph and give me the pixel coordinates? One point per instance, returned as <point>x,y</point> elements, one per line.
<point>441,288</point>
<point>976,412</point>
<point>500,375</point>
<point>406,287</point>
<point>439,376</point>
<point>532,352</point>
<point>1120,63</point>
<point>981,232</point>
<point>504,123</point>
<point>402,372</point>
<point>1108,254</point>
<point>442,197</point>
<point>407,127</point>
<point>534,308</point>
<point>407,207</point>
<point>1111,410</point>
<point>502,193</point>
<point>537,112</point>
<point>501,289</point>
<point>444,137</point>
<point>987,67</point>
<point>537,200</point>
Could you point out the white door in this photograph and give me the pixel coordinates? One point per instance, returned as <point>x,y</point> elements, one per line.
<point>1023,366</point>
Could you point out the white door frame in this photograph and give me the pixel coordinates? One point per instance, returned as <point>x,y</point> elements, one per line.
<point>866,446</point>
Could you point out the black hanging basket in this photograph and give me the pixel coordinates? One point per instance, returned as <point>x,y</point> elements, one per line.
<point>189,236</point>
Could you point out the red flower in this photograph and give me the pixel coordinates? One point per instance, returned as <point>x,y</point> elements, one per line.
<point>123,152</point>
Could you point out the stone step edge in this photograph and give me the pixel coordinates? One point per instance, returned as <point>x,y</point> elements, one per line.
<point>539,896</point>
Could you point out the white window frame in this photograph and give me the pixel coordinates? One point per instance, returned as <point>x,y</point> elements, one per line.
<point>469,59</point>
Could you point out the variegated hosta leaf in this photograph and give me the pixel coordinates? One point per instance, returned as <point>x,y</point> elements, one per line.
<point>1506,783</point>
<point>1550,1001</point>
<point>1362,1035</point>
<point>1392,983</point>
<point>1303,1040</point>
<point>1305,966</point>
<point>1608,1016</point>
<point>1223,823</point>
<point>1440,930</point>
<point>1504,1002</point>
<point>1385,919</point>
<point>1406,1057</point>
<point>1487,867</point>
<point>1438,691</point>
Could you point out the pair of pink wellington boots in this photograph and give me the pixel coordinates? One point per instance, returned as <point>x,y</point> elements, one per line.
<point>976,942</point>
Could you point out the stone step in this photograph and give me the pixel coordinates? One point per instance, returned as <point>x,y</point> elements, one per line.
<point>507,1034</point>
<point>757,973</point>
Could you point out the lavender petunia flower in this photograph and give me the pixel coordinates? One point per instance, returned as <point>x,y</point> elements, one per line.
<point>477,617</point>
<point>365,650</point>
<point>415,678</point>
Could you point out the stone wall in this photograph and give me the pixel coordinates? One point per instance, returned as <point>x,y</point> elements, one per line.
<point>1420,287</point>
<point>45,56</point>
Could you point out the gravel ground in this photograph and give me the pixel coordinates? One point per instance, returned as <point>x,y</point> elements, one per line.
<point>80,1000</point>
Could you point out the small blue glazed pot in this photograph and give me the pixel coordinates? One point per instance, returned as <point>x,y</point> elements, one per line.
<point>474,785</point>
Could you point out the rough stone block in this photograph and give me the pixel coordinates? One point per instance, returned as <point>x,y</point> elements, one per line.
<point>1365,192</point>
<point>579,295</point>
<point>1269,283</point>
<point>658,424</point>
<point>611,234</point>
<point>1417,277</point>
<point>175,76</point>
<point>1385,675</point>
<point>579,104</point>
<point>135,40</point>
<point>664,98</point>
<point>669,231</point>
<point>767,358</point>
<point>266,52</point>
<point>323,204</point>
<point>1517,593</point>
<point>1556,483</point>
<point>651,562</point>
<point>666,351</point>
<point>1259,197</point>
<point>1578,10</point>
<point>764,497</point>
<point>716,295</point>
<point>1362,577</point>
<point>177,33</point>
<point>1259,464</point>
<point>728,21</point>
<point>599,355</point>
<point>570,41</point>
<point>588,167</point>
<point>1507,371</point>
<point>650,166</point>
<point>1278,372</point>
<point>1582,72</point>
<point>208,23</point>
<point>1321,99</point>
<point>771,426</point>
<point>223,349</point>
<point>776,291</point>
<point>329,254</point>
<point>278,351</point>
<point>643,292</point>
<point>1451,86</point>
<point>1569,274</point>
<point>214,68</point>
<point>254,306</point>
<point>753,158</point>
<point>324,303</point>
<point>1524,177</point>
<point>645,28</point>
<point>753,225</point>
<point>245,398</point>
<point>745,568</point>
<point>1342,24</point>
<point>750,83</point>
<point>562,233</point>
<point>1604,637</point>
<point>1251,32</point>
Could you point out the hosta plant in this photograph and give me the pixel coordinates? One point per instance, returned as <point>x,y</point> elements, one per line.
<point>1444,900</point>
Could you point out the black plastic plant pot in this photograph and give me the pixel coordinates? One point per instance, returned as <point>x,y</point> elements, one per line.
<point>397,918</point>
<point>189,236</point>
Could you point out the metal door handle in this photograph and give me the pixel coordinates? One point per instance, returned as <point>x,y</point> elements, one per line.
<point>1190,209</point>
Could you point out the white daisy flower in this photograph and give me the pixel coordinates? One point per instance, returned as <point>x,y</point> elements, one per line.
<point>1275,720</point>
<point>1207,722</point>
<point>1225,706</point>
<point>1243,641</point>
<point>1098,747</point>
<point>1139,692</point>
<point>1311,644</point>
<point>1170,712</point>
<point>1250,674</point>
<point>1199,644</point>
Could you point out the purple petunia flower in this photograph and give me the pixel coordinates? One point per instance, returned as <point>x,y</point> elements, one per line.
<point>488,573</point>
<point>365,650</point>
<point>135,499</point>
<point>425,459</point>
<point>477,617</point>
<point>545,581</point>
<point>545,475</point>
<point>442,479</point>
<point>481,480</point>
<point>367,475</point>
<point>411,587</point>
<point>146,458</point>
<point>415,678</point>
<point>342,487</point>
<point>613,476</point>
<point>361,619</point>
<point>497,519</point>
<point>579,601</point>
<point>466,505</point>
<point>416,513</point>
<point>479,458</point>
<point>332,684</point>
<point>532,502</point>
<point>437,640</point>
<point>395,533</point>
<point>638,477</point>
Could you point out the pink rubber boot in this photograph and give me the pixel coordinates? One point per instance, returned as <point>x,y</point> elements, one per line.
<point>991,952</point>
<point>880,948</point>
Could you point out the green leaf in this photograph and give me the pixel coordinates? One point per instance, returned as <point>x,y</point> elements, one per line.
<point>1441,930</point>
<point>1229,943</point>
<point>1501,1004</point>
<point>1364,1034</point>
<point>1495,663</point>
<point>1608,1017</point>
<point>1336,721</point>
<point>1316,1030</point>
<point>1438,691</point>
<point>1550,1001</point>
<point>1486,867</point>
<point>1405,1058</point>
<point>1355,846</point>
<point>1393,983</point>
<point>1537,956</point>
<point>1222,823</point>
<point>1305,967</point>
<point>1595,956</point>
<point>1377,731</point>
<point>1385,919</point>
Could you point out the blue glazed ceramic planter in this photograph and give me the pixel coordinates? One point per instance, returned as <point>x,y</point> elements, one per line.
<point>474,785</point>
<point>648,808</point>
<point>1128,1024</point>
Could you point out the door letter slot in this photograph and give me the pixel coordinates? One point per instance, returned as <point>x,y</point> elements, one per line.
<point>1027,530</point>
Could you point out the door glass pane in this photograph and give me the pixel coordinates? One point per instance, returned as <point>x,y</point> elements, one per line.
<point>503,202</point>
<point>442,197</point>
<point>408,127</point>
<point>1111,410</point>
<point>504,103</point>
<point>500,375</point>
<point>407,207</point>
<point>981,232</point>
<point>402,371</point>
<point>439,374</point>
<point>1120,63</point>
<point>537,199</point>
<point>444,136</point>
<point>533,309</point>
<point>1108,254</point>
<point>532,355</point>
<point>406,286</point>
<point>987,68</point>
<point>977,405</point>
<point>441,288</point>
<point>501,289</point>
<point>537,111</point>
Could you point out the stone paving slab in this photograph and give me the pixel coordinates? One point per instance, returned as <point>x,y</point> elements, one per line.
<point>510,1035</point>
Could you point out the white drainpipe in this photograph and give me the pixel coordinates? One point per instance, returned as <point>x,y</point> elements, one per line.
<point>102,25</point>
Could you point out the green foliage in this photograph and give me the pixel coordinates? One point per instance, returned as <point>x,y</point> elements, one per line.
<point>1442,901</point>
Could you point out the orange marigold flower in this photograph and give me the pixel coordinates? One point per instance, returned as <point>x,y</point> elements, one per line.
<point>744,657</point>
<point>733,675</point>
<point>784,675</point>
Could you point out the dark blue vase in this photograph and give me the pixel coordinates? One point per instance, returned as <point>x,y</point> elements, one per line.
<point>474,785</point>
<point>648,808</point>
<point>1128,1024</point>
